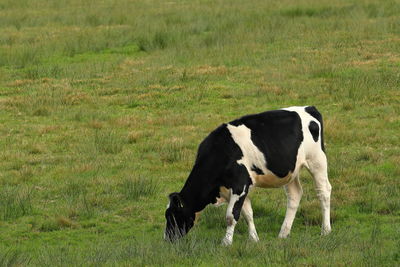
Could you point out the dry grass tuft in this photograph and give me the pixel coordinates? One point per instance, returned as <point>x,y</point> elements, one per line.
<point>134,136</point>
<point>95,124</point>
<point>76,98</point>
<point>207,69</point>
<point>48,129</point>
<point>64,222</point>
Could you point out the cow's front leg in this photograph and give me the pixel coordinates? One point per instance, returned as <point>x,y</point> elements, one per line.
<point>233,214</point>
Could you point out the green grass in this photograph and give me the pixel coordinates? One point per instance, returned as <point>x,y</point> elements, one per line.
<point>103,105</point>
<point>134,188</point>
<point>15,202</point>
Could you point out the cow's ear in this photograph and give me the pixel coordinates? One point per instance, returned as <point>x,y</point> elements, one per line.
<point>176,200</point>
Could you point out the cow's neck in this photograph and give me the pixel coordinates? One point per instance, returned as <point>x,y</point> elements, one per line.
<point>199,190</point>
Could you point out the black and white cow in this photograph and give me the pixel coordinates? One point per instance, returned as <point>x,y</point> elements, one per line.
<point>263,150</point>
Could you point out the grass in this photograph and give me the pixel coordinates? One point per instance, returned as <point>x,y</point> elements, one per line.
<point>103,105</point>
<point>15,202</point>
<point>134,188</point>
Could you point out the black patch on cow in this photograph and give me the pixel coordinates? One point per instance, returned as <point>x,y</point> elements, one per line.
<point>314,130</point>
<point>237,207</point>
<point>257,170</point>
<point>240,181</point>
<point>315,113</point>
<point>278,135</point>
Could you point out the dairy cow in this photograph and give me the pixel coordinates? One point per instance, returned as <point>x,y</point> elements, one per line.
<point>262,150</point>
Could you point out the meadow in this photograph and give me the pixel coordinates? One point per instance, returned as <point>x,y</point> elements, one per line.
<point>103,104</point>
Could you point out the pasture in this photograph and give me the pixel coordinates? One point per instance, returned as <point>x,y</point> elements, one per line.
<point>103,104</point>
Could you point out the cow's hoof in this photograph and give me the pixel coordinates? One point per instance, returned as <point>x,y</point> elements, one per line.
<point>326,231</point>
<point>254,237</point>
<point>226,242</point>
<point>283,235</point>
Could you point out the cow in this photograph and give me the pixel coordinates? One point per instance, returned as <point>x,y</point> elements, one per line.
<point>261,150</point>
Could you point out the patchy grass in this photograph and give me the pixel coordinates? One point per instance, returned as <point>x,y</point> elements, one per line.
<point>15,202</point>
<point>103,105</point>
<point>134,188</point>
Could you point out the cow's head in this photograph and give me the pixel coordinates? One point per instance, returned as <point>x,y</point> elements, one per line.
<point>180,219</point>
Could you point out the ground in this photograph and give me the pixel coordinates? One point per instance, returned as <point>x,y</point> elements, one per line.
<point>103,104</point>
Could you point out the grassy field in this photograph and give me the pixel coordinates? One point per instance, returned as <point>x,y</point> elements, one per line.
<point>103,104</point>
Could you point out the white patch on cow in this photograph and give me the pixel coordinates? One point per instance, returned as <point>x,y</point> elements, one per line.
<point>228,239</point>
<point>251,154</point>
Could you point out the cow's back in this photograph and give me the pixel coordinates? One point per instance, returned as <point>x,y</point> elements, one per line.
<point>278,135</point>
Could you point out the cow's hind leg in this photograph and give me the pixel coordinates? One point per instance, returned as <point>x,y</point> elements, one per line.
<point>318,168</point>
<point>294,192</point>
<point>248,216</point>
